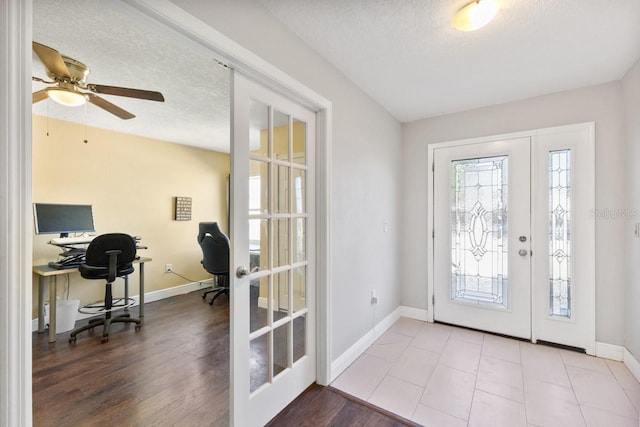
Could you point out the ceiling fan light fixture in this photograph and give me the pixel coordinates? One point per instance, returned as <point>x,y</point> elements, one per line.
<point>67,97</point>
<point>475,15</point>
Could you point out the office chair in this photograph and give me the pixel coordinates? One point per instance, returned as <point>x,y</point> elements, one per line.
<point>215,257</point>
<point>108,256</point>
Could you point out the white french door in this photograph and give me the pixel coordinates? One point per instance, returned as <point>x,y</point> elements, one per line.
<point>513,235</point>
<point>273,320</point>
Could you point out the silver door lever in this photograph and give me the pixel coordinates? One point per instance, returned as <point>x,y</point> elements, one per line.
<point>242,271</point>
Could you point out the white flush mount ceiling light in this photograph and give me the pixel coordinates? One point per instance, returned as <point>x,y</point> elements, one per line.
<point>64,96</point>
<point>475,15</point>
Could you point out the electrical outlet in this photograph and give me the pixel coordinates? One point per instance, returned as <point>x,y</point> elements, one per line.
<point>374,297</point>
<point>168,268</point>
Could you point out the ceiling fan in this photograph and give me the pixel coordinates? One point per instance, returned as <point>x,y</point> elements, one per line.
<point>69,77</point>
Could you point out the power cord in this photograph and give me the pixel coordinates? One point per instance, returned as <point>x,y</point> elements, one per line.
<point>202,282</point>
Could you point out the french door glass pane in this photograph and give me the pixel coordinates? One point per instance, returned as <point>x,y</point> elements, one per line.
<point>259,128</point>
<point>299,337</point>
<point>259,243</point>
<point>299,201</point>
<point>280,136</point>
<point>259,295</point>
<point>281,189</point>
<point>299,288</point>
<point>281,294</point>
<point>560,233</point>
<point>479,231</point>
<point>299,240</point>
<point>280,349</point>
<point>280,242</point>
<point>258,185</point>
<point>258,364</point>
<point>299,142</point>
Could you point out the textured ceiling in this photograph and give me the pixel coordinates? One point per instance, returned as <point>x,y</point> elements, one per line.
<point>406,55</point>
<point>403,53</point>
<point>121,49</point>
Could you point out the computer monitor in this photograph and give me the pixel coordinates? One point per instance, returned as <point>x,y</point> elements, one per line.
<point>52,218</point>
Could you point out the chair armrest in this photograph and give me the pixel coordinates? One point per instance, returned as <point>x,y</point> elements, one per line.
<point>113,263</point>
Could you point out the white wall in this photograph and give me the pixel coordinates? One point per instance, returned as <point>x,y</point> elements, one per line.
<point>631,95</point>
<point>602,104</point>
<point>365,168</point>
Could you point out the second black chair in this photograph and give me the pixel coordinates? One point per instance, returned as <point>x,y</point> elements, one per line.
<point>215,257</point>
<point>108,256</point>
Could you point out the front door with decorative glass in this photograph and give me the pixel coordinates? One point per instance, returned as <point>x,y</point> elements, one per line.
<point>512,220</point>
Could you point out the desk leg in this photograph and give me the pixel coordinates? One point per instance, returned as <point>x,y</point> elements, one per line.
<point>142,289</point>
<point>53,285</point>
<point>41,285</point>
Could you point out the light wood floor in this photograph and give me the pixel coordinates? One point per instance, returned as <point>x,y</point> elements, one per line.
<point>173,372</point>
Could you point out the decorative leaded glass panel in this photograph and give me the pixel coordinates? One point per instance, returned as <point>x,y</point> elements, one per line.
<point>560,233</point>
<point>479,231</point>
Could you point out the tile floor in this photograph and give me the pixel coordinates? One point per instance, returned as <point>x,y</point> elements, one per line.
<point>440,376</point>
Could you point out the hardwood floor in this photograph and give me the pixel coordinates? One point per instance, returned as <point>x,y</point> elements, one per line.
<point>325,406</point>
<point>173,372</point>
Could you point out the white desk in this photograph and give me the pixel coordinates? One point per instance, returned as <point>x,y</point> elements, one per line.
<point>44,271</point>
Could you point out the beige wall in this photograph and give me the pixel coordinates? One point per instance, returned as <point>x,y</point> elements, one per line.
<point>601,104</point>
<point>131,182</point>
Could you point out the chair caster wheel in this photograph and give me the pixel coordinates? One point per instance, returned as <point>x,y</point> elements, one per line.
<point>204,296</point>
<point>105,339</point>
<point>72,339</point>
<point>138,327</point>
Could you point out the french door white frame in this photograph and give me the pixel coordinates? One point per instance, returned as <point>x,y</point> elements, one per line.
<point>16,171</point>
<point>590,291</point>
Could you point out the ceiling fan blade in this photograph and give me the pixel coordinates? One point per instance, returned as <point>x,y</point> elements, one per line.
<point>123,91</point>
<point>52,60</point>
<point>39,96</point>
<point>112,108</point>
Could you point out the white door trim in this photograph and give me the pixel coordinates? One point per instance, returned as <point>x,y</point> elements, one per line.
<point>15,213</point>
<point>15,192</point>
<point>430,214</point>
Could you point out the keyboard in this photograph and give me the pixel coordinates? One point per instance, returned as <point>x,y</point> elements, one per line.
<point>71,240</point>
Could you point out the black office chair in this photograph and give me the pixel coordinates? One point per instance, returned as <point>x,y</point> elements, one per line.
<point>108,256</point>
<point>215,257</point>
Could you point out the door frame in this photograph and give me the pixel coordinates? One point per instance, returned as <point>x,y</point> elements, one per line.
<point>16,199</point>
<point>591,290</point>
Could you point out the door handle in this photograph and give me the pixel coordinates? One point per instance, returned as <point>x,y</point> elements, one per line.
<point>242,271</point>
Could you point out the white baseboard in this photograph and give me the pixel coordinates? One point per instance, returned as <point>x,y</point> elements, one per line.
<point>632,363</point>
<point>148,297</point>
<point>620,354</point>
<point>414,313</point>
<point>356,350</point>
<point>610,351</point>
